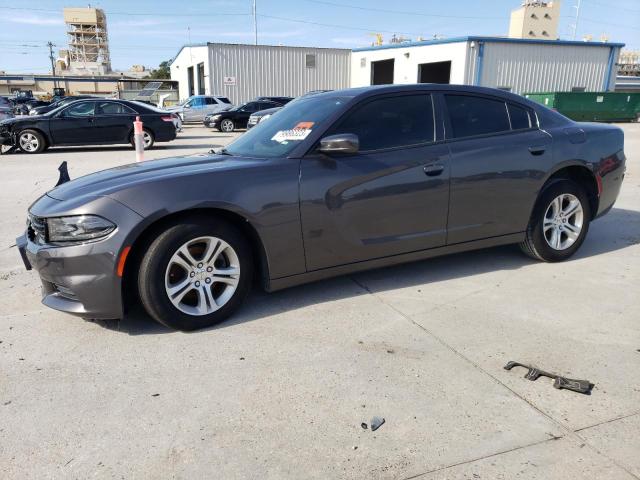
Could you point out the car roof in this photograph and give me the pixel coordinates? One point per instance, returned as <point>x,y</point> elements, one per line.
<point>363,92</point>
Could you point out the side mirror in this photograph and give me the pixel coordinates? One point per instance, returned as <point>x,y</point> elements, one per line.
<point>187,106</point>
<point>341,143</point>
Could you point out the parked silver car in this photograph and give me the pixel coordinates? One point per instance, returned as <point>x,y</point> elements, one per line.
<point>196,107</point>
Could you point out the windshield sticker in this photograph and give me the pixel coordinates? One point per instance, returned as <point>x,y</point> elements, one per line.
<point>295,134</point>
<point>303,125</point>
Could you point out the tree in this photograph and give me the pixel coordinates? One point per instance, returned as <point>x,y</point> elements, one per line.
<point>162,71</point>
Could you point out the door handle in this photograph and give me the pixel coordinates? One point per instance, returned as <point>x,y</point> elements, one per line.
<point>537,150</point>
<point>433,169</point>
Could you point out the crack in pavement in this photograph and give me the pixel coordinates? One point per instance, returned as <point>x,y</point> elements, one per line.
<point>607,421</point>
<point>446,467</point>
<point>569,432</point>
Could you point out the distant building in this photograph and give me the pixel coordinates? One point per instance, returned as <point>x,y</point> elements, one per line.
<point>243,72</point>
<point>88,52</point>
<point>516,65</point>
<point>535,19</point>
<point>629,63</point>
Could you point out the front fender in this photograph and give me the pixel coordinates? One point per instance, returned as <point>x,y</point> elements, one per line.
<point>265,196</point>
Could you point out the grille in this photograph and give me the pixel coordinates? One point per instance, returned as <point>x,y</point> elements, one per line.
<point>36,229</point>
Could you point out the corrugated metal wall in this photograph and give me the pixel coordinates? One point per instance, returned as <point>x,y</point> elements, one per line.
<point>271,70</point>
<point>542,68</point>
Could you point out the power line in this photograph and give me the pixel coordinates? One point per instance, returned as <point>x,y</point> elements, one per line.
<point>618,7</point>
<point>330,25</point>
<point>145,14</point>
<point>383,10</point>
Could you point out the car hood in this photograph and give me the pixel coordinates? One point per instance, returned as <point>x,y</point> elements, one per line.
<point>111,181</point>
<point>22,119</point>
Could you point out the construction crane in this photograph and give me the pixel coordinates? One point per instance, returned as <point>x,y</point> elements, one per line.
<point>379,39</point>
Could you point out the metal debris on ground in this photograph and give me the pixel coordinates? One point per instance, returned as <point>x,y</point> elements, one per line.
<point>64,174</point>
<point>376,423</point>
<point>560,382</point>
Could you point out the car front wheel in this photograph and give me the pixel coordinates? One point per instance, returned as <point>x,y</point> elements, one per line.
<point>227,125</point>
<point>31,141</point>
<point>195,274</point>
<point>559,223</point>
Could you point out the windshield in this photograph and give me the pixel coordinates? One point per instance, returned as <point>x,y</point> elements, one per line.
<point>284,131</point>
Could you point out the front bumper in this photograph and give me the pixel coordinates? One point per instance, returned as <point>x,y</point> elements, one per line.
<point>81,279</point>
<point>6,139</point>
<point>210,123</point>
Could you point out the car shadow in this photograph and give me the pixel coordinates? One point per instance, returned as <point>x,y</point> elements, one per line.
<point>617,230</point>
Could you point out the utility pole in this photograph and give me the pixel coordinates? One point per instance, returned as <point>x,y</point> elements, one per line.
<point>255,22</point>
<point>53,64</point>
<point>575,25</point>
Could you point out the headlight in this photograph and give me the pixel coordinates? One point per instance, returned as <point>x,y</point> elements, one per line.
<point>78,228</point>
<point>264,117</point>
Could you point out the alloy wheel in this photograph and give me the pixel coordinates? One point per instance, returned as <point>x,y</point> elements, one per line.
<point>202,275</point>
<point>29,142</point>
<point>147,139</point>
<point>563,221</point>
<point>227,126</point>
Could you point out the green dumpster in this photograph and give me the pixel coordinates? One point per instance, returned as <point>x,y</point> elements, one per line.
<point>592,106</point>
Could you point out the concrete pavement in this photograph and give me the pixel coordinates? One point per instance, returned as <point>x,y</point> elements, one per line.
<point>280,390</point>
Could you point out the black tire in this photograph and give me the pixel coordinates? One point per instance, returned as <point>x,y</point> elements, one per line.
<point>154,264</point>
<point>37,136</point>
<point>151,136</point>
<point>535,244</point>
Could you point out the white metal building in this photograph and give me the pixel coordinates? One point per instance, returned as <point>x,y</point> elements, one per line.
<point>517,65</point>
<point>243,72</point>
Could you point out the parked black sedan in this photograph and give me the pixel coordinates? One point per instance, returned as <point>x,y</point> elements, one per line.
<point>238,116</point>
<point>88,122</point>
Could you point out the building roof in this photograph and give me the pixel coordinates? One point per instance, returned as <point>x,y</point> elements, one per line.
<point>206,44</point>
<point>488,40</point>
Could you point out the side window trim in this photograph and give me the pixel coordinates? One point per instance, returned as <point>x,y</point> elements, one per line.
<point>368,100</point>
<point>530,113</point>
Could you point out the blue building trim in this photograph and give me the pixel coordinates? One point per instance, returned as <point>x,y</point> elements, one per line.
<point>479,61</point>
<point>488,40</point>
<point>607,78</point>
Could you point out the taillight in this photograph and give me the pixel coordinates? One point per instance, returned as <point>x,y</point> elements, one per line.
<point>167,118</point>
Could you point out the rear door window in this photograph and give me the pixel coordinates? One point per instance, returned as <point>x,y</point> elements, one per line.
<point>112,108</point>
<point>471,115</point>
<point>224,100</point>
<point>391,122</point>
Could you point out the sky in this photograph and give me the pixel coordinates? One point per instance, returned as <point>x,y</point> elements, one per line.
<point>148,32</point>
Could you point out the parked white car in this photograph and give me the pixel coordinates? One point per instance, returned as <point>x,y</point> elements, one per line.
<point>196,107</point>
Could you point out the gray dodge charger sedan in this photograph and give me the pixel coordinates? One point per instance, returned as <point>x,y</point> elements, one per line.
<point>335,183</point>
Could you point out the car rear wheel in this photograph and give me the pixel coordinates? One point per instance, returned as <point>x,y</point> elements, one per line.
<point>559,223</point>
<point>195,274</point>
<point>227,125</point>
<point>148,138</point>
<point>31,141</point>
